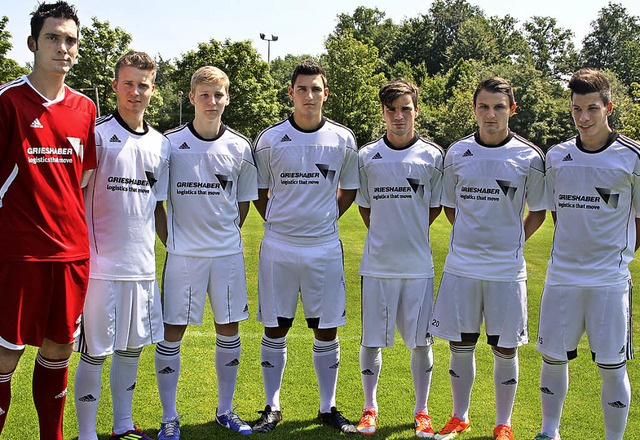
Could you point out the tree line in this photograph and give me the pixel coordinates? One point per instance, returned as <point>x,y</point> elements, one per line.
<point>445,52</point>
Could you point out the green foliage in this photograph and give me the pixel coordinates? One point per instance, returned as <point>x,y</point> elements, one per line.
<point>9,69</point>
<point>551,47</point>
<point>353,85</point>
<point>164,109</point>
<point>100,47</point>
<point>631,118</point>
<point>253,91</point>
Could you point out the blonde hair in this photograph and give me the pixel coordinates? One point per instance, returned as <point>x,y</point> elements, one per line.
<point>209,75</point>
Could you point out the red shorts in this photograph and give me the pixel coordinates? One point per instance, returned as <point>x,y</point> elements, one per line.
<point>41,300</point>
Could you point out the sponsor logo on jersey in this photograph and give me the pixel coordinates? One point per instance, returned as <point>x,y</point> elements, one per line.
<point>266,364</point>
<point>476,193</point>
<point>167,370</point>
<point>285,138</point>
<point>507,189</point>
<point>467,153</point>
<point>453,374</point>
<point>184,146</point>
<point>511,381</point>
<point>2,412</point>
<point>115,139</point>
<point>328,174</point>
<point>36,124</point>
<point>617,404</point>
<point>233,363</point>
<point>609,198</point>
<point>417,187</point>
<point>132,387</point>
<point>225,182</point>
<point>335,366</point>
<point>76,143</point>
<point>62,395</point>
<point>87,398</point>
<point>366,372</point>
<point>567,158</point>
<point>547,391</point>
<point>377,156</point>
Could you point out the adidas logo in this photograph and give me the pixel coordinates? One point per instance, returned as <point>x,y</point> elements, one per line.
<point>87,398</point>
<point>114,138</point>
<point>335,366</point>
<point>429,370</point>
<point>453,374</point>
<point>545,390</point>
<point>567,158</point>
<point>467,153</point>
<point>266,364</point>
<point>367,372</point>
<point>62,395</point>
<point>377,156</point>
<point>246,308</point>
<point>233,363</point>
<point>36,124</point>
<point>622,350</point>
<point>617,404</point>
<point>510,382</point>
<point>285,138</point>
<point>344,313</point>
<point>184,146</point>
<point>132,387</point>
<point>167,370</point>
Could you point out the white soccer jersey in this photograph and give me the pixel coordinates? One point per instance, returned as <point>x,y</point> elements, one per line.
<point>302,170</point>
<point>121,198</point>
<point>489,186</point>
<point>208,177</point>
<point>596,197</point>
<point>400,186</point>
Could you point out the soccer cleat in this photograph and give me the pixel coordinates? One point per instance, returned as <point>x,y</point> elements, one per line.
<point>503,432</point>
<point>230,420</point>
<point>368,422</point>
<point>453,429</point>
<point>170,430</point>
<point>424,428</point>
<point>337,420</point>
<point>134,434</point>
<point>267,421</point>
<point>545,436</point>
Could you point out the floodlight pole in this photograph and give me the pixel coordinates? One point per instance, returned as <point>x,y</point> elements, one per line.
<point>268,40</point>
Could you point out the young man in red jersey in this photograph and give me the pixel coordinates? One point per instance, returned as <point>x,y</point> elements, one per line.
<point>46,144</point>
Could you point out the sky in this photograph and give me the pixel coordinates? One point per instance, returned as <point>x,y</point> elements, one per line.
<point>171,28</point>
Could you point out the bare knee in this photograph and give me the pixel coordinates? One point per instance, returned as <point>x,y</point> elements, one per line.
<point>230,329</point>
<point>174,333</point>
<point>54,351</point>
<point>9,359</point>
<point>325,334</point>
<point>276,332</point>
<point>505,351</point>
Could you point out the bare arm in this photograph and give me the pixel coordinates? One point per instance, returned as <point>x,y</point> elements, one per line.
<point>365,213</point>
<point>161,223</point>
<point>434,213</point>
<point>243,210</point>
<point>450,213</point>
<point>345,199</point>
<point>532,222</point>
<point>86,175</point>
<point>261,203</point>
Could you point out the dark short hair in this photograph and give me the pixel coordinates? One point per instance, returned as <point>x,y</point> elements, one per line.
<point>59,9</point>
<point>139,60</point>
<point>308,67</point>
<point>394,89</point>
<point>590,80</point>
<point>495,84</point>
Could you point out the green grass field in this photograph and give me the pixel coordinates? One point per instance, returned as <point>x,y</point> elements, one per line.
<point>197,389</point>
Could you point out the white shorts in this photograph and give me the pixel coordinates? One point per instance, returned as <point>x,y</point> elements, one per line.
<point>463,303</point>
<point>402,302</point>
<point>187,280</point>
<point>120,315</point>
<point>567,312</point>
<point>314,272</point>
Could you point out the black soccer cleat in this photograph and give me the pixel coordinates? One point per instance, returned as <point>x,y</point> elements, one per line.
<point>337,420</point>
<point>267,421</point>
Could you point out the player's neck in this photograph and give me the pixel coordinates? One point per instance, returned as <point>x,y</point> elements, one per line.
<point>597,141</point>
<point>207,129</point>
<point>49,85</point>
<point>496,138</point>
<point>134,120</point>
<point>307,122</point>
<point>400,142</point>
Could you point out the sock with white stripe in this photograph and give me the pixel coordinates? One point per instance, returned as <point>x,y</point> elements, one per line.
<point>273,358</point>
<point>554,384</point>
<point>462,373</point>
<point>227,362</point>
<point>370,366</point>
<point>616,397</point>
<point>421,368</point>
<point>49,394</point>
<point>124,369</point>
<point>5,397</point>
<point>326,360</point>
<point>87,388</point>
<point>167,363</point>
<point>505,383</point>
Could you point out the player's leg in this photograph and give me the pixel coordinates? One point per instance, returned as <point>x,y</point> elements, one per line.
<point>87,390</point>
<point>167,365</point>
<point>8,361</point>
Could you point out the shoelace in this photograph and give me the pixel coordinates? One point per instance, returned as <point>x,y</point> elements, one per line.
<point>369,416</point>
<point>170,427</point>
<point>451,424</point>
<point>423,420</point>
